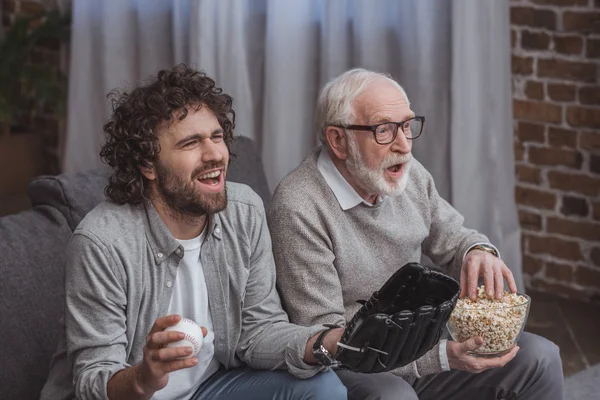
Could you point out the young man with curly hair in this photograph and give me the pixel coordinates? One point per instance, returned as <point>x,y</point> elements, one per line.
<point>175,240</point>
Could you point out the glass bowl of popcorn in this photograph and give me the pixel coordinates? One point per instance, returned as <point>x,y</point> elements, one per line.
<point>498,322</point>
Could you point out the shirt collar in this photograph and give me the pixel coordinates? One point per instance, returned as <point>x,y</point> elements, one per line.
<point>343,191</point>
<point>161,239</point>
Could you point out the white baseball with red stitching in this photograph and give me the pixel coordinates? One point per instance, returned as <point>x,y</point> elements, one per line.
<point>193,336</point>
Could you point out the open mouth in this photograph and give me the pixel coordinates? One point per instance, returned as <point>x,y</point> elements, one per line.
<point>212,178</point>
<point>395,168</point>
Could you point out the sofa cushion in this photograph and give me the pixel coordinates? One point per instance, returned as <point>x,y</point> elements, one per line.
<point>246,167</point>
<point>32,245</point>
<point>77,194</point>
<point>74,195</point>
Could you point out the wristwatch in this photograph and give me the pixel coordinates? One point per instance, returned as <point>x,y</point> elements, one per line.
<point>321,354</point>
<point>487,248</point>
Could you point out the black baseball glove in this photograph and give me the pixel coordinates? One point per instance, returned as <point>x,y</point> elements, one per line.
<point>400,322</point>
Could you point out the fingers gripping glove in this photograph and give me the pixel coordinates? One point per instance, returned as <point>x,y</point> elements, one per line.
<point>400,322</point>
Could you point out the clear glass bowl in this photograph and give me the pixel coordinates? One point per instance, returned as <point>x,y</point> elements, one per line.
<point>499,324</point>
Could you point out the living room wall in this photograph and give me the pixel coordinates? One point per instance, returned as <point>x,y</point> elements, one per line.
<point>556,98</point>
<point>556,92</point>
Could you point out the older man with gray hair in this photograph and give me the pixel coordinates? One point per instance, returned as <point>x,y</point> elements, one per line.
<point>358,208</point>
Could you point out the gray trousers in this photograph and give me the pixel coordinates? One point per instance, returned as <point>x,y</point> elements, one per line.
<point>534,374</point>
<point>250,384</point>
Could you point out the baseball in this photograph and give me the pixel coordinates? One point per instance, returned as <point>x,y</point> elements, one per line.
<point>193,336</point>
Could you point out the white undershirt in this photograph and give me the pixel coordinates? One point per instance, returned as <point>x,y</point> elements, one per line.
<point>190,300</point>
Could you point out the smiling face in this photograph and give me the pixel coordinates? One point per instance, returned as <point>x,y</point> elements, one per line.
<point>377,169</point>
<point>189,175</point>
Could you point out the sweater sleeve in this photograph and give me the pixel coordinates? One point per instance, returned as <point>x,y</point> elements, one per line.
<point>448,239</point>
<point>307,279</point>
<point>267,339</point>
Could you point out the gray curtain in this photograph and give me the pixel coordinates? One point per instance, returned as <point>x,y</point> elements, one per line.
<point>273,56</point>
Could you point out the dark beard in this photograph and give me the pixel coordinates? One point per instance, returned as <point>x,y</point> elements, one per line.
<point>181,197</point>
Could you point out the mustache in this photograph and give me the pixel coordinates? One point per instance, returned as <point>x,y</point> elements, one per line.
<point>394,159</point>
<point>207,167</point>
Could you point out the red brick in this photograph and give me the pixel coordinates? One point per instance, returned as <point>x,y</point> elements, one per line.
<point>558,289</point>
<point>584,230</point>
<point>8,6</point>
<point>561,92</point>
<point>574,206</point>
<point>593,48</point>
<point>532,265</point>
<point>522,65</point>
<point>532,17</point>
<point>559,248</point>
<point>595,256</point>
<point>562,137</point>
<point>578,183</point>
<point>531,132</point>
<point>562,3</point>
<point>595,164</point>
<point>534,90</point>
<point>31,7</point>
<point>537,111</point>
<point>589,95</point>
<point>587,277</point>
<point>530,221</point>
<point>519,151</point>
<point>590,141</point>
<point>529,174</point>
<point>553,156</point>
<point>583,117</point>
<point>559,272</point>
<point>596,211</point>
<point>535,40</point>
<point>568,70</point>
<point>52,58</point>
<point>568,44</point>
<point>535,198</point>
<point>585,21</point>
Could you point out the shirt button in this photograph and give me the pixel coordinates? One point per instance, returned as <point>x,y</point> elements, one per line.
<point>178,251</point>
<point>169,284</point>
<point>159,254</point>
<point>217,230</point>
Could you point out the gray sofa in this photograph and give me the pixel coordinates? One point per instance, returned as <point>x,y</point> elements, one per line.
<point>32,245</point>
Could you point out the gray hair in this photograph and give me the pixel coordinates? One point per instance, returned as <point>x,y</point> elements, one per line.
<point>335,105</point>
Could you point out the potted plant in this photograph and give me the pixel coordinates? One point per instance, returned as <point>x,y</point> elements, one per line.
<point>31,88</point>
<point>28,86</point>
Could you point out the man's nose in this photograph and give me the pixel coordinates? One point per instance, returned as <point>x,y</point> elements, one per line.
<point>212,152</point>
<point>401,144</point>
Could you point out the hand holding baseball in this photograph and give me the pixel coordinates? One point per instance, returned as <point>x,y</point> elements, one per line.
<point>161,358</point>
<point>194,336</point>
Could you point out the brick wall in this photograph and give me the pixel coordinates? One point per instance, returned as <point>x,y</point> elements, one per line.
<point>33,146</point>
<point>556,101</point>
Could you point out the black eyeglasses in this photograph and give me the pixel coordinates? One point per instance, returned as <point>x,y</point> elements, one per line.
<point>386,132</point>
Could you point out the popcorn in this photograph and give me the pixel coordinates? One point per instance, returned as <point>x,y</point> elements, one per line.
<point>499,322</point>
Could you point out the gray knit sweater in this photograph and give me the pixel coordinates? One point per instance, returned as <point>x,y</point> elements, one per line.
<point>328,258</point>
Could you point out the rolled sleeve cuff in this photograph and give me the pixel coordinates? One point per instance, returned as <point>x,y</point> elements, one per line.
<point>444,363</point>
<point>480,243</point>
<point>94,384</point>
<point>294,354</point>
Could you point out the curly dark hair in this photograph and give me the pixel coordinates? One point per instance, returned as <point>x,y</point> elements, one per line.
<point>133,129</point>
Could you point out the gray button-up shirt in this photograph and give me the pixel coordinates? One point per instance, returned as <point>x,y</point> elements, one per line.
<point>121,262</point>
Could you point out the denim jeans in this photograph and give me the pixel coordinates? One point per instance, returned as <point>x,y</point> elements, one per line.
<point>250,384</point>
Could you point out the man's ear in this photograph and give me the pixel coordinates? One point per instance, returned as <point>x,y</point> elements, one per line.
<point>148,171</point>
<point>338,141</point>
